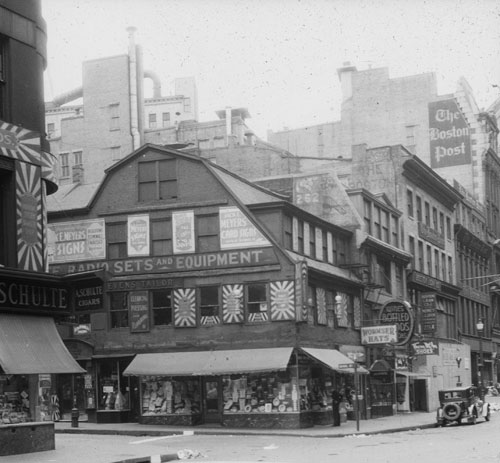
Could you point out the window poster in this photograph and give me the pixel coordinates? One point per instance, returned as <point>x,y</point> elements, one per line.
<point>183,232</point>
<point>139,311</point>
<point>236,230</point>
<point>138,235</point>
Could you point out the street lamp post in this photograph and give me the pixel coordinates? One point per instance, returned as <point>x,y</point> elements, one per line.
<point>480,328</point>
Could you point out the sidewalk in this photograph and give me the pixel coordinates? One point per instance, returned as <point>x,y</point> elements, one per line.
<point>399,422</point>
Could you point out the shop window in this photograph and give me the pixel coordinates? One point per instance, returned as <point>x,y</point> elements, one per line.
<point>161,237</point>
<point>162,396</point>
<point>118,309</point>
<point>208,233</point>
<point>116,237</point>
<point>157,180</point>
<point>162,307</point>
<point>209,305</point>
<point>113,387</point>
<point>257,306</point>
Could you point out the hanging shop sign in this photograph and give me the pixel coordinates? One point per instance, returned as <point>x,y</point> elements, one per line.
<point>75,241</point>
<point>88,297</point>
<point>398,313</point>
<point>425,348</point>
<point>237,231</point>
<point>428,313</point>
<point>449,136</point>
<point>138,235</point>
<point>386,334</point>
<point>185,263</point>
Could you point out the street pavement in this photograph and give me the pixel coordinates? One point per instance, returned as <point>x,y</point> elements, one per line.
<point>75,444</point>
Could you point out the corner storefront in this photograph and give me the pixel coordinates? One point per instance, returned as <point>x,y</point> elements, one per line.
<point>281,387</point>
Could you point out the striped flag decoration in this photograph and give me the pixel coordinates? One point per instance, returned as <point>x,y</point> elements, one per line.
<point>232,304</point>
<point>321,305</point>
<point>282,300</point>
<point>184,307</point>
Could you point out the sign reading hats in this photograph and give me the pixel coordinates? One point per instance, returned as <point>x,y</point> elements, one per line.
<point>399,313</point>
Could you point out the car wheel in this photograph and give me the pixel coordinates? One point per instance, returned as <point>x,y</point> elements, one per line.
<point>452,412</point>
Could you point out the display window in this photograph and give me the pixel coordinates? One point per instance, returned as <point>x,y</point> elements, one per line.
<point>261,393</point>
<point>113,387</point>
<point>14,399</point>
<point>163,395</point>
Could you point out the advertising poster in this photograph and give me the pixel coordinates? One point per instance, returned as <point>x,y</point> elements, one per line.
<point>237,232</point>
<point>449,135</point>
<point>183,232</point>
<point>379,334</point>
<point>138,235</point>
<point>75,241</point>
<point>428,313</point>
<point>399,313</point>
<point>139,311</point>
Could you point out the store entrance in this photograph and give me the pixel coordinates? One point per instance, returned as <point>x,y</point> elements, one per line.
<point>212,400</point>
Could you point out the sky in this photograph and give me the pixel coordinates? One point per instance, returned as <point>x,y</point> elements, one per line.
<point>279,58</point>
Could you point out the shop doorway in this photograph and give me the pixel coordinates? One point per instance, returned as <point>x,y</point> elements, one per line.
<point>71,391</point>
<point>420,390</point>
<point>212,400</point>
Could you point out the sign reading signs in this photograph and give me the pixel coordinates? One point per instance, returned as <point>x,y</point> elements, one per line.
<point>425,348</point>
<point>236,230</point>
<point>428,313</point>
<point>139,311</point>
<point>449,135</point>
<point>379,334</point>
<point>73,241</point>
<point>400,314</point>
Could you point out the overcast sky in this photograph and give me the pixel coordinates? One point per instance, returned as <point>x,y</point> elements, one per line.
<point>278,58</point>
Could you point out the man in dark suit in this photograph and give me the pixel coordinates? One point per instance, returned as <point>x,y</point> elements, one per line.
<point>336,400</point>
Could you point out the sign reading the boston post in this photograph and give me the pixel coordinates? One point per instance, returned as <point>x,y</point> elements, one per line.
<point>74,241</point>
<point>398,313</point>
<point>449,135</point>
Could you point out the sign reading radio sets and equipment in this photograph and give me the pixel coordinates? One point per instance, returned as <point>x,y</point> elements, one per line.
<point>398,313</point>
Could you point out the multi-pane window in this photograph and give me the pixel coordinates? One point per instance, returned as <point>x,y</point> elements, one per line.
<point>152,121</point>
<point>434,218</point>
<point>288,232</point>
<point>394,231</point>
<point>437,270</point>
<point>118,309</point>
<point>3,77</point>
<point>51,128</point>
<point>448,228</point>
<point>64,160</point>
<point>209,302</point>
<point>157,180</point>
<point>312,242</point>
<point>324,246</point>
<point>411,246</point>
<point>441,223</point>
<point>377,219</point>
<point>419,208</point>
<point>116,237</point>
<point>161,302</point>
<point>409,200</point>
<point>165,119</point>
<point>385,227</point>
<point>429,260</point>
<point>114,115</point>
<point>300,236</point>
<point>421,256</point>
<point>384,273</point>
<point>208,233</point>
<point>427,213</point>
<point>161,237</point>
<point>367,207</point>
<point>257,301</point>
<point>78,158</point>
<point>443,266</point>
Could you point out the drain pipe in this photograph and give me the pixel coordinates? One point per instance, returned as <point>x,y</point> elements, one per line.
<point>132,60</point>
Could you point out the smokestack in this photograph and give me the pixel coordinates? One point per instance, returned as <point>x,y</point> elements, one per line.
<point>134,115</point>
<point>345,77</point>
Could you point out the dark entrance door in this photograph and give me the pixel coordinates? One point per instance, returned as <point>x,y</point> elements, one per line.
<point>212,400</point>
<point>420,391</point>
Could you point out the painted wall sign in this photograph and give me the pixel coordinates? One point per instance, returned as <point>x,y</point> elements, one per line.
<point>138,235</point>
<point>88,297</point>
<point>398,313</point>
<point>186,263</point>
<point>449,136</point>
<point>237,232</point>
<point>379,334</point>
<point>183,232</point>
<point>19,294</point>
<point>74,241</point>
<point>153,283</point>
<point>139,311</point>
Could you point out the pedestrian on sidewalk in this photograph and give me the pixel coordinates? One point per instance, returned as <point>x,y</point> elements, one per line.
<point>336,400</point>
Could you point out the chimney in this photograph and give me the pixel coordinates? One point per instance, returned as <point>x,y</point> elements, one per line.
<point>77,172</point>
<point>345,77</point>
<point>229,122</point>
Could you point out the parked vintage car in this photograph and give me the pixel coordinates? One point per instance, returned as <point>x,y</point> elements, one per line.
<point>461,405</point>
